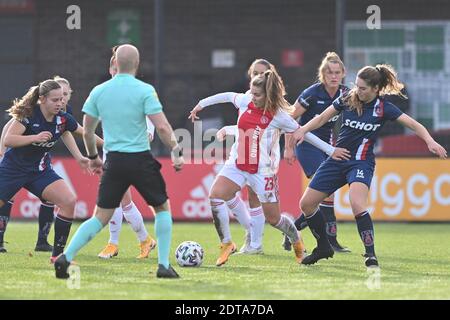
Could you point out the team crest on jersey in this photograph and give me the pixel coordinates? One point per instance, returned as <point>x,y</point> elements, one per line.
<point>60,124</point>
<point>378,109</point>
<point>264,120</point>
<point>367,237</point>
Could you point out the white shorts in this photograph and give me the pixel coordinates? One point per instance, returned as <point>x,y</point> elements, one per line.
<point>264,185</point>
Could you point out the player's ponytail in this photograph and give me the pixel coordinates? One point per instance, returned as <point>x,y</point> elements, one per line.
<point>389,83</point>
<point>272,85</point>
<point>23,107</point>
<point>382,76</point>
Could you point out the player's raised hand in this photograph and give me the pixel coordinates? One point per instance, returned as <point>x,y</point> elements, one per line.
<point>43,136</point>
<point>437,149</point>
<point>341,154</point>
<point>193,114</point>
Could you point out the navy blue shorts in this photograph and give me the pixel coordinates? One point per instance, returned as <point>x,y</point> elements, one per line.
<point>11,181</point>
<point>310,158</point>
<point>333,174</point>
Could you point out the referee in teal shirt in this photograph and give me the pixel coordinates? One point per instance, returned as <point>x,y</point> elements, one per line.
<point>122,104</point>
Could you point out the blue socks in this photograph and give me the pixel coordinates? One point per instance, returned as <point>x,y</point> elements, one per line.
<point>163,231</point>
<point>84,234</point>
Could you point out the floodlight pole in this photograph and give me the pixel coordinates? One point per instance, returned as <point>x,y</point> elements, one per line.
<point>159,46</point>
<point>340,24</point>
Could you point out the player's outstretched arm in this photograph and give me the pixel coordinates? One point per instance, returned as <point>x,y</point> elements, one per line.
<point>80,131</point>
<point>423,133</point>
<point>226,97</point>
<point>14,138</point>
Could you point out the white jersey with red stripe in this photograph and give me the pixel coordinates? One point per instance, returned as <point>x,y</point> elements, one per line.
<point>257,148</point>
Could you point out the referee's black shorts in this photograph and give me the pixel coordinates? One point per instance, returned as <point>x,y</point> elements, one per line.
<point>122,170</point>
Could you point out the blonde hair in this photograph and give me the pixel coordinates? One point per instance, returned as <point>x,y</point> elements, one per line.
<point>23,107</point>
<point>272,85</point>
<point>264,62</point>
<point>61,80</point>
<point>383,76</point>
<point>330,57</point>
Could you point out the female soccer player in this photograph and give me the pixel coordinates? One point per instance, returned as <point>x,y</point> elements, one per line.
<point>254,157</point>
<point>311,102</point>
<point>364,112</point>
<point>253,222</point>
<point>38,124</point>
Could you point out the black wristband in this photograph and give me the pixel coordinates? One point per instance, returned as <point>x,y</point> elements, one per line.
<point>92,157</point>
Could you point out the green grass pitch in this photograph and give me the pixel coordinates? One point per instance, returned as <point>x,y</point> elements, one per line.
<point>414,260</point>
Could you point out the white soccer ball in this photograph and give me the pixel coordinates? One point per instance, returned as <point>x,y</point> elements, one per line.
<point>189,254</point>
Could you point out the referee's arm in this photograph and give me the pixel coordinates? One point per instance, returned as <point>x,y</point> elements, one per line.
<point>164,129</point>
<point>90,124</point>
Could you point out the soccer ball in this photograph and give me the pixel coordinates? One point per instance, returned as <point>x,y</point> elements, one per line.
<point>189,254</point>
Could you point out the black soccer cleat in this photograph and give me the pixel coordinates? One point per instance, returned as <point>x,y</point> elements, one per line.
<point>371,261</point>
<point>166,273</point>
<point>286,244</point>
<point>318,254</point>
<point>61,267</point>
<point>43,247</point>
<point>338,248</point>
<point>2,248</point>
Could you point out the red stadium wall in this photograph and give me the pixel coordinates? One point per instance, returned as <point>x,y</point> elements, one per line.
<point>188,191</point>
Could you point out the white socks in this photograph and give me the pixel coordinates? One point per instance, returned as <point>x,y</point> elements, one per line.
<point>115,225</point>
<point>257,221</point>
<point>239,210</point>
<point>221,219</point>
<point>134,218</point>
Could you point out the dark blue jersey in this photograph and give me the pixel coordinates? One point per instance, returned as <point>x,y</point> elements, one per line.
<point>315,100</point>
<point>358,134</point>
<point>69,110</point>
<point>36,157</point>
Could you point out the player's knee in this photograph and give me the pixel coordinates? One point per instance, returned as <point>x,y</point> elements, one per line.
<point>273,221</point>
<point>69,201</point>
<point>307,206</point>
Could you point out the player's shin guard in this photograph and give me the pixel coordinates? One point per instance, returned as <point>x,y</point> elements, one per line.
<point>62,230</point>
<point>163,232</point>
<point>5,213</point>
<point>366,231</point>
<point>286,226</point>
<point>134,218</point>
<point>221,219</point>
<point>46,218</point>
<point>257,221</point>
<point>300,222</point>
<point>316,223</point>
<point>84,234</point>
<point>327,210</point>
